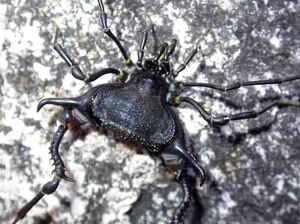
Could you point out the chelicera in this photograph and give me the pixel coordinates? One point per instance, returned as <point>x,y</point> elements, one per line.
<point>140,108</point>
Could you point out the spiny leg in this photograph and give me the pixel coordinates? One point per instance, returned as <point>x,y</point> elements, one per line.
<point>236,85</point>
<point>107,31</point>
<point>186,184</point>
<point>59,166</point>
<point>224,119</point>
<point>59,171</point>
<point>76,70</point>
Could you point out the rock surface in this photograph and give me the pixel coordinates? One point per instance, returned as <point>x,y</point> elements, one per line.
<point>253,164</point>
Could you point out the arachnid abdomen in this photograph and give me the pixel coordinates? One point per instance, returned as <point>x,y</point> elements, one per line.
<point>136,110</point>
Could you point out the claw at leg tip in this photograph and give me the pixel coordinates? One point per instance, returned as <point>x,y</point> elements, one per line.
<point>67,178</point>
<point>40,105</point>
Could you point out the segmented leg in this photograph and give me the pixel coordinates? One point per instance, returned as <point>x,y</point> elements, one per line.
<point>155,39</point>
<point>76,70</point>
<point>143,44</point>
<point>141,50</point>
<point>161,60</point>
<point>107,31</point>
<point>236,85</point>
<point>190,56</point>
<point>59,172</point>
<point>193,162</point>
<point>170,50</point>
<point>186,186</point>
<point>92,77</point>
<point>178,147</point>
<point>59,166</point>
<point>224,119</point>
<point>160,51</point>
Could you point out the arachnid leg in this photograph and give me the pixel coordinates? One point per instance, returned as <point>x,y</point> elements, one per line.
<point>107,31</point>
<point>190,56</point>
<point>59,166</point>
<point>224,119</point>
<point>141,50</point>
<point>59,172</point>
<point>193,162</point>
<point>92,77</point>
<point>160,51</point>
<point>157,50</point>
<point>179,149</point>
<point>170,50</point>
<point>155,38</point>
<point>76,70</point>
<point>161,60</point>
<point>237,85</point>
<point>187,185</point>
<point>47,188</point>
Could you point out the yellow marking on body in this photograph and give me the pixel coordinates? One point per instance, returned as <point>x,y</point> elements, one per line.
<point>128,62</point>
<point>70,125</point>
<point>176,100</point>
<point>123,75</point>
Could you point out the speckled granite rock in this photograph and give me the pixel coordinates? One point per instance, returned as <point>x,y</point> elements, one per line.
<point>253,165</point>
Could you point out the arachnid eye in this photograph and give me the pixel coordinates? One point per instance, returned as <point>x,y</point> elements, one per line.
<point>150,64</point>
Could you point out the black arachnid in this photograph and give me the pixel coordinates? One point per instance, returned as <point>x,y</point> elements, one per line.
<point>140,108</point>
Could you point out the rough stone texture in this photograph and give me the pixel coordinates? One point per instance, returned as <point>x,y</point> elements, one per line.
<point>253,165</point>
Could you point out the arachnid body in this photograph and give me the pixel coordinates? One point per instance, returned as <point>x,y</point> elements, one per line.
<point>140,108</point>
